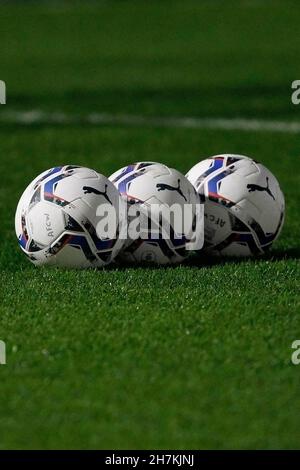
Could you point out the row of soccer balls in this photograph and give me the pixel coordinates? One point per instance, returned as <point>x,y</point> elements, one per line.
<point>56,216</point>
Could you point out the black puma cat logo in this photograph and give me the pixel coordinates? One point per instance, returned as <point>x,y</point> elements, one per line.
<point>256,187</point>
<point>89,190</point>
<point>163,186</point>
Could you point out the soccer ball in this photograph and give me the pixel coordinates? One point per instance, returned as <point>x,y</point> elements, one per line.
<point>244,205</point>
<point>56,221</point>
<point>147,187</point>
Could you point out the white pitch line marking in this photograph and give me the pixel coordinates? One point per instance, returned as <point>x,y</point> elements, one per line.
<point>232,124</point>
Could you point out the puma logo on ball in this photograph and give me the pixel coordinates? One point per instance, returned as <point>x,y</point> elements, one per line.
<point>163,187</point>
<point>256,187</point>
<point>90,190</point>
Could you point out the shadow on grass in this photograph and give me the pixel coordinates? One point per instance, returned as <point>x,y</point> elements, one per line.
<point>18,263</point>
<point>203,260</point>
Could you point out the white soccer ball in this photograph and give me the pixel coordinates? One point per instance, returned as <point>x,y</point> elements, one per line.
<point>148,186</point>
<point>244,205</point>
<point>56,220</point>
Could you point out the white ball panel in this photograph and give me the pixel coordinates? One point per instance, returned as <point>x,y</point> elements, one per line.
<point>45,222</point>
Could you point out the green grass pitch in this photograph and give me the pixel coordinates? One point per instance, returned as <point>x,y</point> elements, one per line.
<point>194,356</point>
